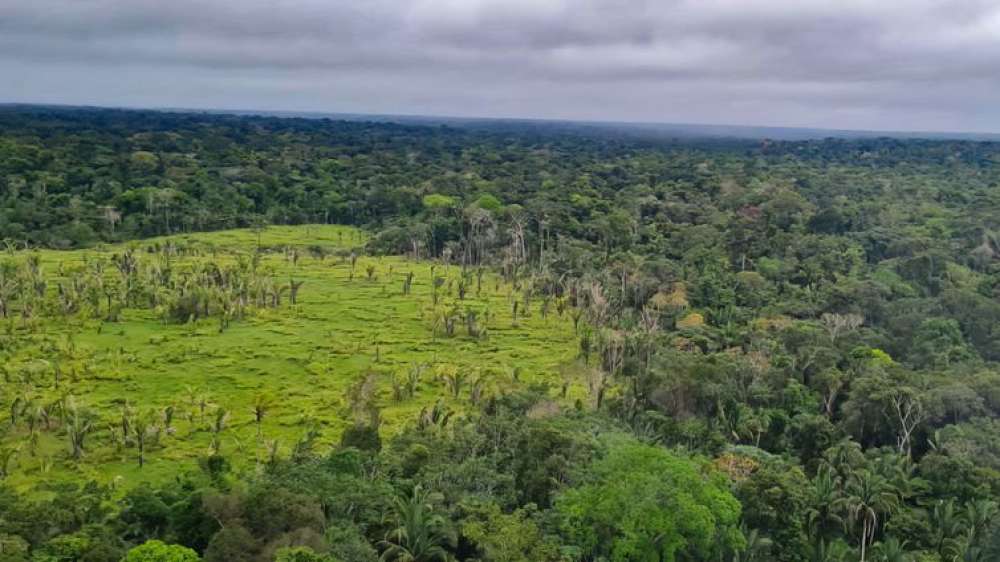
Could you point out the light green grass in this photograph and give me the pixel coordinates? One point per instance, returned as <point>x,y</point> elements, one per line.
<point>306,357</point>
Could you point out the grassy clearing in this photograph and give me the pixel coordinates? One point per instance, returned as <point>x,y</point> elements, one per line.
<point>304,358</point>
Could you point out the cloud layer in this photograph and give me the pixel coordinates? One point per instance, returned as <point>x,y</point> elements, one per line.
<point>892,64</point>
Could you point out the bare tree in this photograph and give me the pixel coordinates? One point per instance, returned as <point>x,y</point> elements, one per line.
<point>598,304</point>
<point>906,411</point>
<point>839,324</point>
<point>110,216</point>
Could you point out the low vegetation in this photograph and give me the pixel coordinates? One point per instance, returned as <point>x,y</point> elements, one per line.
<point>127,363</point>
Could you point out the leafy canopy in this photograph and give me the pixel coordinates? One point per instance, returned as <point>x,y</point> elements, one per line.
<point>645,503</point>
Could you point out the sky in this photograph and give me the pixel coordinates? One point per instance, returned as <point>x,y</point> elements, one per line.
<point>901,65</point>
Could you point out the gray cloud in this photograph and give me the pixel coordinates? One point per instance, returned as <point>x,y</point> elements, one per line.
<point>892,64</point>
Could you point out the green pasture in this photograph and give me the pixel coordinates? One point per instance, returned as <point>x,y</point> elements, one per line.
<point>304,358</point>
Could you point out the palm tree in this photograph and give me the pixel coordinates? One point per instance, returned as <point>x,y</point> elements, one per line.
<point>824,493</point>
<point>78,426</point>
<point>455,380</point>
<point>261,405</point>
<point>958,536</point>
<point>946,526</point>
<point>141,427</point>
<point>221,416</point>
<point>168,418</point>
<point>293,289</point>
<point>972,553</point>
<point>413,376</point>
<point>436,417</point>
<point>756,549</point>
<point>891,550</point>
<point>823,551</point>
<point>421,534</point>
<point>192,394</point>
<point>203,403</point>
<point>867,497</point>
<point>844,457</point>
<point>901,473</point>
<point>979,514</point>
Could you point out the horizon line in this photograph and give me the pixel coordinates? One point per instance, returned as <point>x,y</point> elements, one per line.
<point>913,134</point>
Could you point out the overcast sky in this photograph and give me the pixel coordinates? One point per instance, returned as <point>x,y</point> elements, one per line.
<point>862,64</point>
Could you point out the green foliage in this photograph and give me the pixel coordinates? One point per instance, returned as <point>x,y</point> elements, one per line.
<point>421,533</point>
<point>938,343</point>
<point>644,503</point>
<point>233,543</point>
<point>775,498</point>
<point>437,201</point>
<point>361,436</point>
<point>514,537</point>
<point>157,551</point>
<point>488,202</point>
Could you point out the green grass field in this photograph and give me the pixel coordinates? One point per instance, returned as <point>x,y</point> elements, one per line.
<point>304,357</point>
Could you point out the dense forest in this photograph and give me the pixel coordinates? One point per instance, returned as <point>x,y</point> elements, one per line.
<point>790,347</point>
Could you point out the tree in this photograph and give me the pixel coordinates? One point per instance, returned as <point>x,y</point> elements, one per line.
<point>144,514</point>
<point>938,343</point>
<point>514,537</point>
<point>157,551</point>
<point>644,503</point>
<point>232,543</point>
<point>143,428</point>
<point>775,496</point>
<point>758,546</point>
<point>890,550</point>
<point>78,427</point>
<point>868,497</point>
<point>907,410</point>
<point>421,533</point>
<point>822,513</point>
<point>899,397</point>
<point>261,405</point>
<point>838,324</point>
<point>947,524</point>
<point>258,224</point>
<point>218,425</point>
